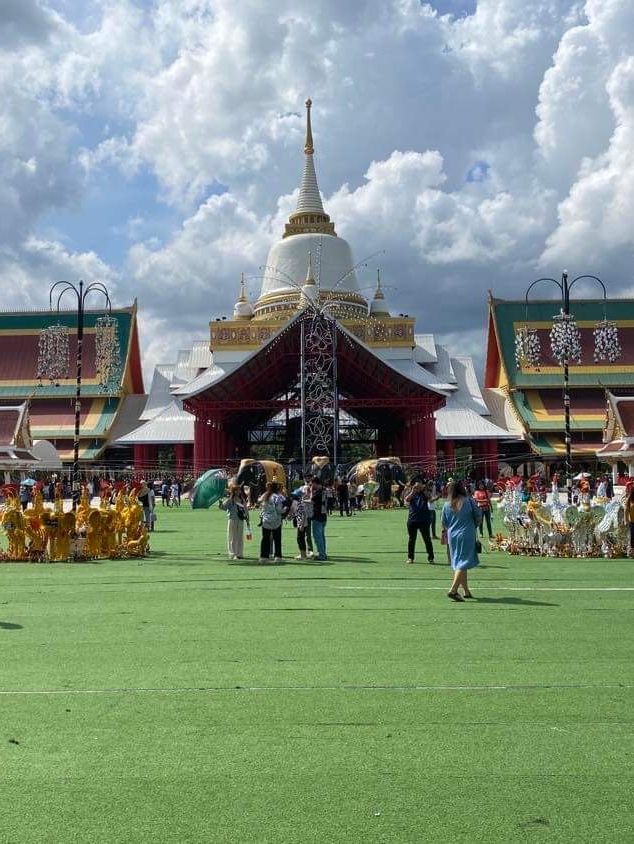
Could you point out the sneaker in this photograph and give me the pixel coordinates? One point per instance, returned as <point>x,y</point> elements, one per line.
<point>263,560</point>
<point>410,561</point>
<point>278,559</point>
<point>233,557</point>
<point>430,559</point>
<point>301,557</point>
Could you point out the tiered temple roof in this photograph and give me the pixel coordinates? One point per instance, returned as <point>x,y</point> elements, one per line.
<point>51,406</point>
<point>533,396</point>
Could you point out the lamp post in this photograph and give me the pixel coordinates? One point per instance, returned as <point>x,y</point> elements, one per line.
<point>53,358</point>
<point>565,344</point>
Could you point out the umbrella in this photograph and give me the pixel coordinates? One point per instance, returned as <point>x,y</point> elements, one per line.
<point>208,489</point>
<point>28,482</point>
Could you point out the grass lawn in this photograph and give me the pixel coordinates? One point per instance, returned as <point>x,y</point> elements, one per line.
<point>189,699</point>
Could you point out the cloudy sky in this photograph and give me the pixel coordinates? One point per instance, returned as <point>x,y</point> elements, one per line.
<point>156,145</point>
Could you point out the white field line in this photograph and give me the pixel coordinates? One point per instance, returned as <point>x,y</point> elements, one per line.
<point>486,587</point>
<point>501,687</point>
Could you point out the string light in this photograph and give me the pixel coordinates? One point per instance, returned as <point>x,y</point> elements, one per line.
<point>606,342</point>
<point>527,348</point>
<point>565,339</point>
<point>53,357</point>
<point>107,352</point>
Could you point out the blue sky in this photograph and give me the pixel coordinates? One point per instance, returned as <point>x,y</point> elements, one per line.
<point>158,145</point>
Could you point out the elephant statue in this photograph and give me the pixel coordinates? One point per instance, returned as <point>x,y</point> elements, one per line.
<point>257,473</point>
<point>322,468</point>
<point>384,472</point>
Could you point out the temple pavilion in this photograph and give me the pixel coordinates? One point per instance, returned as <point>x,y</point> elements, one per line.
<point>400,392</point>
<point>528,400</point>
<point>104,416</point>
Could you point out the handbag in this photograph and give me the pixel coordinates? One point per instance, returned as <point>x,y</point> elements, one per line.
<point>478,544</point>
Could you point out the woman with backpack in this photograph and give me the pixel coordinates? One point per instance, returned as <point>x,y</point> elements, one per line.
<point>271,514</point>
<point>235,506</point>
<point>460,519</point>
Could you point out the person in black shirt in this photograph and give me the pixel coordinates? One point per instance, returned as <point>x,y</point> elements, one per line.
<point>418,519</point>
<point>318,500</point>
<point>343,494</point>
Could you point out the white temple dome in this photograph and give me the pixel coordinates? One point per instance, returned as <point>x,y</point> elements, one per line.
<point>288,258</point>
<point>242,310</point>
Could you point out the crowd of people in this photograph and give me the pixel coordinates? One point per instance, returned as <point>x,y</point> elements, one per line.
<point>465,510</point>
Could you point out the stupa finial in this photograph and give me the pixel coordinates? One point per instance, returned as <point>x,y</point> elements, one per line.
<point>309,147</point>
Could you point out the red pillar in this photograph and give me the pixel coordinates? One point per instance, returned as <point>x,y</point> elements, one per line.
<point>492,469</point>
<point>429,427</point>
<point>179,458</point>
<point>139,458</point>
<point>200,446</point>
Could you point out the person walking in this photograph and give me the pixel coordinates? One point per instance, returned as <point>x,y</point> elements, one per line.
<point>343,495</point>
<point>165,493</point>
<point>629,518</point>
<point>418,519</point>
<point>483,500</point>
<point>432,498</point>
<point>320,516</point>
<point>460,519</point>
<point>299,517</point>
<point>235,507</point>
<point>143,497</point>
<point>271,510</point>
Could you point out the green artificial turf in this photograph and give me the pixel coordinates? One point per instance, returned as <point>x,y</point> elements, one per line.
<point>186,698</point>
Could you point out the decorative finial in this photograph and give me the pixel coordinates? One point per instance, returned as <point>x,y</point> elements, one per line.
<point>309,149</point>
<point>378,294</point>
<point>243,292</point>
<point>309,272</point>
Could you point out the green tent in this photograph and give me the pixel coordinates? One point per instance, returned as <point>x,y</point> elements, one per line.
<point>208,489</point>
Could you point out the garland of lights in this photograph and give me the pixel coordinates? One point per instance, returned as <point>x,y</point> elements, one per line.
<point>53,354</point>
<point>606,342</point>
<point>527,348</point>
<point>565,339</point>
<point>107,352</point>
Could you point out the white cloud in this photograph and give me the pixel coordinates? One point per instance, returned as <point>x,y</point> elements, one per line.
<point>408,105</point>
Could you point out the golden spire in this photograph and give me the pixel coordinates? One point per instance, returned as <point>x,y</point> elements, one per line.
<point>309,148</point>
<point>309,216</point>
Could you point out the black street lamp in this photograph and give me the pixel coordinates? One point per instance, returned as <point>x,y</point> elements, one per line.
<point>53,359</point>
<point>565,344</point>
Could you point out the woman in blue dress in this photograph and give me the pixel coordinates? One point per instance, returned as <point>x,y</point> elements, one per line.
<point>460,520</point>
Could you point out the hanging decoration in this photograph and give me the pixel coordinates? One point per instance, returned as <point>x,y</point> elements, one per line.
<point>565,339</point>
<point>527,348</point>
<point>319,409</point>
<point>53,354</point>
<point>606,342</point>
<point>107,352</point>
